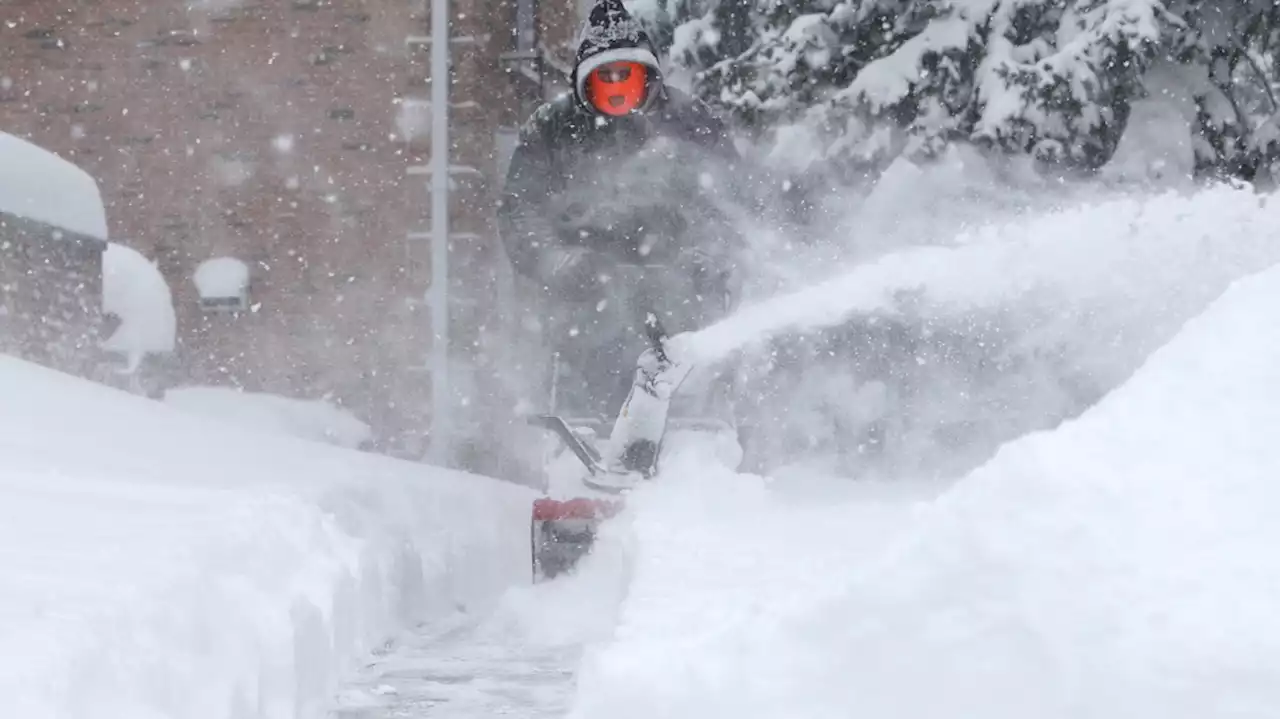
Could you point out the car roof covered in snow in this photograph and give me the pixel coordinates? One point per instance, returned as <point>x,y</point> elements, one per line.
<point>38,185</point>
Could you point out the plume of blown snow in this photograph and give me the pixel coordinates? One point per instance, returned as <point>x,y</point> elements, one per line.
<point>944,343</point>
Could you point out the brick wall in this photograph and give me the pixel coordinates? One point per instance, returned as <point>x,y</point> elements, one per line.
<point>283,133</point>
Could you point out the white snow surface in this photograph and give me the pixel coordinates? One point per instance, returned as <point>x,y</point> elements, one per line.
<point>39,185</point>
<point>315,420</point>
<point>1118,566</point>
<point>221,277</point>
<point>154,564</point>
<point>135,291</point>
<point>519,660</point>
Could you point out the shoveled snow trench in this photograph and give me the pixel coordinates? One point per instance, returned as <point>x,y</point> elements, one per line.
<point>547,650</point>
<point>519,657</point>
<point>453,670</point>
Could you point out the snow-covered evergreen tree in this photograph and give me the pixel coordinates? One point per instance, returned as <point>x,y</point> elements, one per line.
<point>1236,48</point>
<point>862,81</point>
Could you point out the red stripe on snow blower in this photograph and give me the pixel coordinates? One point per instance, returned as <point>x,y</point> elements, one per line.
<point>581,508</point>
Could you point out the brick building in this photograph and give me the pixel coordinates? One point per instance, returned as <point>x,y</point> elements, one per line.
<point>292,135</point>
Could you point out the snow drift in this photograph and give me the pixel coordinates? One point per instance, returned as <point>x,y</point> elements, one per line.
<point>316,420</point>
<point>1118,566</point>
<point>154,564</point>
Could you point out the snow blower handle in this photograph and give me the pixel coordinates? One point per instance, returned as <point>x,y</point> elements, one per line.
<point>656,333</point>
<point>647,311</point>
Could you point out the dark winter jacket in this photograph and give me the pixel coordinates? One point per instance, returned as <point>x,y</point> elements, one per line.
<point>586,190</point>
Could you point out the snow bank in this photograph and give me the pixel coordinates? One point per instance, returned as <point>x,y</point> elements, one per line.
<point>313,420</point>
<point>134,290</point>
<point>39,185</point>
<point>1119,566</point>
<point>154,564</point>
<point>1116,567</point>
<point>720,563</point>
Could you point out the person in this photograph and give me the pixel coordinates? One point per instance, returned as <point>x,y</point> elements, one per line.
<point>612,210</point>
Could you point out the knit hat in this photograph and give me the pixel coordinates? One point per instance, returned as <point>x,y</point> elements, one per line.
<point>611,34</point>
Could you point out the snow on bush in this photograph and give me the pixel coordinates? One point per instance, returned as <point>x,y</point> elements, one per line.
<point>1119,566</point>
<point>158,565</point>
<point>312,420</point>
<point>134,291</point>
<point>1051,79</point>
<point>38,185</point>
<point>867,81</point>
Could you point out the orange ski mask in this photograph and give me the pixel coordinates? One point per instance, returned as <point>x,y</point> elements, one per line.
<point>619,87</point>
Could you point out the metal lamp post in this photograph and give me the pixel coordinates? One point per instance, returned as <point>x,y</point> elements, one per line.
<point>438,293</point>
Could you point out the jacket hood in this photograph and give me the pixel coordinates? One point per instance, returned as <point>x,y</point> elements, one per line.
<point>611,34</point>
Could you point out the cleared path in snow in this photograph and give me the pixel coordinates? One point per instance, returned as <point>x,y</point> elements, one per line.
<point>454,671</point>
<point>519,658</point>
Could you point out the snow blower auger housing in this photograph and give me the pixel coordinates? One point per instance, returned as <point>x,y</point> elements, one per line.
<point>564,530</point>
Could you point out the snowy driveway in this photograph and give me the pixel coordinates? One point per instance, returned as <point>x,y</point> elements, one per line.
<point>456,671</point>
<point>519,658</point>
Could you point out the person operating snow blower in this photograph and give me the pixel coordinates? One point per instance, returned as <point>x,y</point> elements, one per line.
<point>610,218</point>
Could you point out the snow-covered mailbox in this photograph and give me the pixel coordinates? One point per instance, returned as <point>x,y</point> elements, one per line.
<point>53,233</point>
<point>223,285</point>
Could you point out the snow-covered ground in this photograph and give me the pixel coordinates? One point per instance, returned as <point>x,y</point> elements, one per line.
<point>256,412</point>
<point>521,659</point>
<point>1116,566</point>
<point>156,564</point>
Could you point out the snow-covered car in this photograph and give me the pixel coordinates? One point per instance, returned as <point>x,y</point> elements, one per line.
<point>53,234</point>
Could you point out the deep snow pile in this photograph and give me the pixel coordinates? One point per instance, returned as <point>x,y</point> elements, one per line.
<point>154,564</point>
<point>314,420</point>
<point>1119,566</point>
